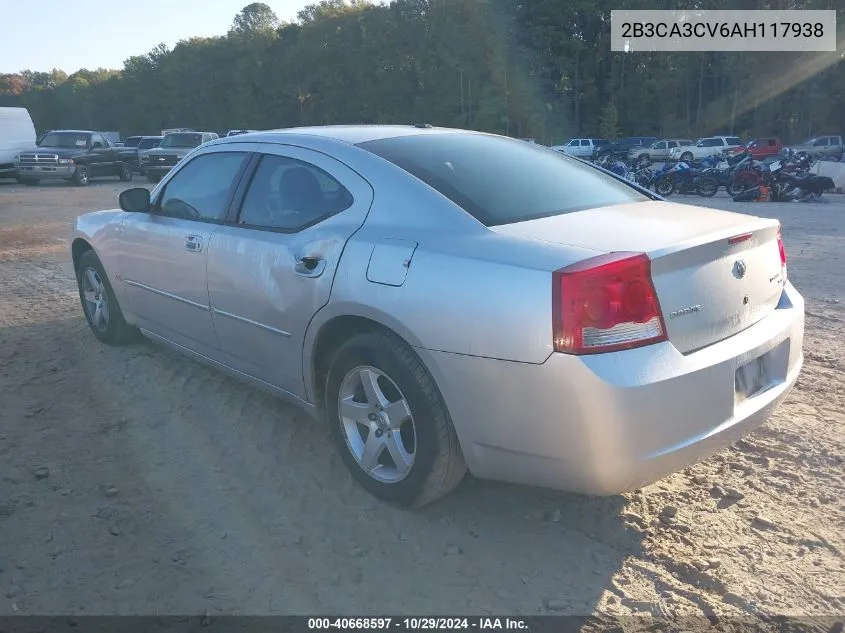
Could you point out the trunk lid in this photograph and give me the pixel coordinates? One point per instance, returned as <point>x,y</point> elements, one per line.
<point>716,273</point>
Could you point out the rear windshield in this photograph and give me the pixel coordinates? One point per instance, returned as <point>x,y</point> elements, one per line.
<point>500,180</point>
<point>734,140</point>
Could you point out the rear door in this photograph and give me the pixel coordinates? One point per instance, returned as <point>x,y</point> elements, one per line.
<point>272,266</point>
<point>585,148</point>
<point>101,160</point>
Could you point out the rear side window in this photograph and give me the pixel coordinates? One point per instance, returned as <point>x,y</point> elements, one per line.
<point>288,195</point>
<point>501,181</point>
<point>734,140</point>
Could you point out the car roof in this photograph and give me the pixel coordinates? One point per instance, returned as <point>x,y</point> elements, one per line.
<point>348,134</point>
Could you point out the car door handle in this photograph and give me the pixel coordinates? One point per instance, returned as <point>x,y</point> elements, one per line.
<point>312,266</point>
<point>193,243</point>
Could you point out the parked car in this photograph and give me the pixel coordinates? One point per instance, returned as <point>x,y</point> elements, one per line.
<point>659,150</point>
<point>821,147</point>
<point>173,147</point>
<point>622,147</point>
<point>18,135</point>
<point>173,130</point>
<point>131,141</point>
<point>73,155</point>
<point>706,147</point>
<point>581,147</point>
<point>133,155</point>
<point>761,148</point>
<point>554,352</point>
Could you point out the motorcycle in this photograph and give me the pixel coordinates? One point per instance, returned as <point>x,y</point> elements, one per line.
<point>800,187</point>
<point>759,174</point>
<point>684,180</point>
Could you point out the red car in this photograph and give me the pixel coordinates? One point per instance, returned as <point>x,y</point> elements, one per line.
<point>761,148</point>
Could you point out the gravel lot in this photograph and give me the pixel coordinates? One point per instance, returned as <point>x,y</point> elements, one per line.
<point>134,481</point>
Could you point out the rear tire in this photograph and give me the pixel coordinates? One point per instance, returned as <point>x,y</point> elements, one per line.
<point>99,304</point>
<point>664,187</point>
<point>401,392</point>
<point>125,173</point>
<point>707,187</point>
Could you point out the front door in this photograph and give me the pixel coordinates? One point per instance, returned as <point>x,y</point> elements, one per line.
<point>272,268</point>
<point>164,252</point>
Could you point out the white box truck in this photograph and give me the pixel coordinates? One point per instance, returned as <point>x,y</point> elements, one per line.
<point>17,134</point>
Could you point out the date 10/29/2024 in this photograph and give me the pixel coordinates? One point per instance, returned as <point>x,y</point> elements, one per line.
<point>418,624</point>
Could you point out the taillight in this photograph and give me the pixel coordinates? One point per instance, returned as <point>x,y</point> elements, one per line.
<point>782,250</point>
<point>604,304</point>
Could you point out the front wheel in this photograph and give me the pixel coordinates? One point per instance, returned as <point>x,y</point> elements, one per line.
<point>389,421</point>
<point>80,176</point>
<point>99,304</point>
<point>686,157</point>
<point>736,187</point>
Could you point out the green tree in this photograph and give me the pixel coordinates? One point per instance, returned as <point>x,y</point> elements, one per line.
<point>255,18</point>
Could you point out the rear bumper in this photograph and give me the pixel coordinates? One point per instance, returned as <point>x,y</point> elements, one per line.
<point>43,172</point>
<point>610,423</point>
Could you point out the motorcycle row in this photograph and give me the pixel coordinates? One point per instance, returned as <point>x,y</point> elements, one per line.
<point>781,179</point>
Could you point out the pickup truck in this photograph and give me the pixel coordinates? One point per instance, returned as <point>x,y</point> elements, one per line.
<point>73,155</point>
<point>622,147</point>
<point>706,147</point>
<point>761,148</point>
<point>155,163</point>
<point>821,147</point>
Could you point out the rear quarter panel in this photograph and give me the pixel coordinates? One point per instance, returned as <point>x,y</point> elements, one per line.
<point>467,291</point>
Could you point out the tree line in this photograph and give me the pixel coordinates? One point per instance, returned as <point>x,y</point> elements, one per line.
<point>527,68</point>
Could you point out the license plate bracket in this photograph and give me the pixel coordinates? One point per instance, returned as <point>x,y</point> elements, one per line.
<point>751,379</point>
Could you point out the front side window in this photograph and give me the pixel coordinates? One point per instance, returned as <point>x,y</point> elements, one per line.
<point>289,195</point>
<point>201,189</point>
<point>499,180</point>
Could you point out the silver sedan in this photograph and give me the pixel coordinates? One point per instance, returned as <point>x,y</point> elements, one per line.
<point>452,300</point>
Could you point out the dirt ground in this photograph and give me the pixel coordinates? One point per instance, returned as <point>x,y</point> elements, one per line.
<point>134,481</point>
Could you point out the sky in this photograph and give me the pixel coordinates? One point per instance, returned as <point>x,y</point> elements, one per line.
<point>48,34</point>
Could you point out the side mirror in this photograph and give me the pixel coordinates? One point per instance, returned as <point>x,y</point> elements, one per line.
<point>136,200</point>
